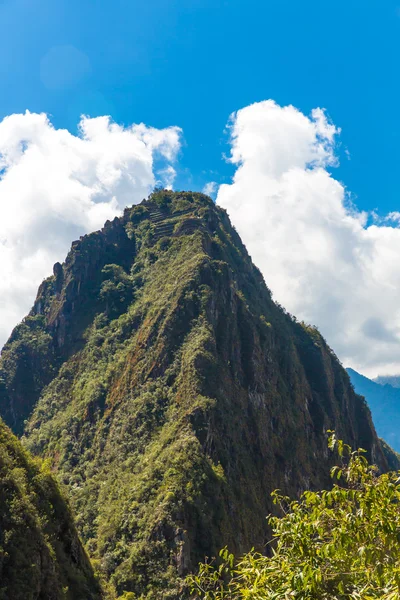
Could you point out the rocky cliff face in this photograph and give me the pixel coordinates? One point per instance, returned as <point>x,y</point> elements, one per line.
<point>41,557</point>
<point>171,394</point>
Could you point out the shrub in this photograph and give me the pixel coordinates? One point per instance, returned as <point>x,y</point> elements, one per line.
<point>338,544</point>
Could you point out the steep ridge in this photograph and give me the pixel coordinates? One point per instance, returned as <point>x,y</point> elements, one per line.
<point>41,557</point>
<point>171,394</point>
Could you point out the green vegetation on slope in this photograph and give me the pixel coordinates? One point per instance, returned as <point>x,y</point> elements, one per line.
<point>171,394</point>
<point>41,557</point>
<point>340,544</point>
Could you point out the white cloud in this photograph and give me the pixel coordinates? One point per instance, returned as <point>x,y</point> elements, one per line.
<point>166,177</point>
<point>318,256</point>
<point>210,188</point>
<point>55,186</point>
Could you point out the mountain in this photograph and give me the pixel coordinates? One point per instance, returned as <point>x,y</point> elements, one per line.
<point>41,557</point>
<point>392,380</point>
<point>384,402</point>
<point>171,394</point>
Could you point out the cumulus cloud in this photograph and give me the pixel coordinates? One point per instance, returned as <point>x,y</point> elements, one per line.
<point>210,188</point>
<point>319,256</point>
<point>166,177</point>
<point>55,186</point>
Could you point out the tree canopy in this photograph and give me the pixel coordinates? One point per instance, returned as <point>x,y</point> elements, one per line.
<point>336,545</point>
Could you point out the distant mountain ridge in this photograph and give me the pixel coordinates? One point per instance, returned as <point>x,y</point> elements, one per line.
<point>393,380</point>
<point>384,402</point>
<point>171,395</point>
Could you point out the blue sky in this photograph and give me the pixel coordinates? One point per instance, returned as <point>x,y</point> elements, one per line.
<point>190,65</point>
<point>193,62</point>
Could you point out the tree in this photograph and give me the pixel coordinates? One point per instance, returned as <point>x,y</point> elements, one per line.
<point>339,544</point>
<point>116,290</point>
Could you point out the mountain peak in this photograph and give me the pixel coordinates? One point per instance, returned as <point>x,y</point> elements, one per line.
<point>171,394</point>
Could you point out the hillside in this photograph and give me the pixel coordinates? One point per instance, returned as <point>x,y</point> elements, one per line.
<point>41,557</point>
<point>384,402</point>
<point>171,394</point>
